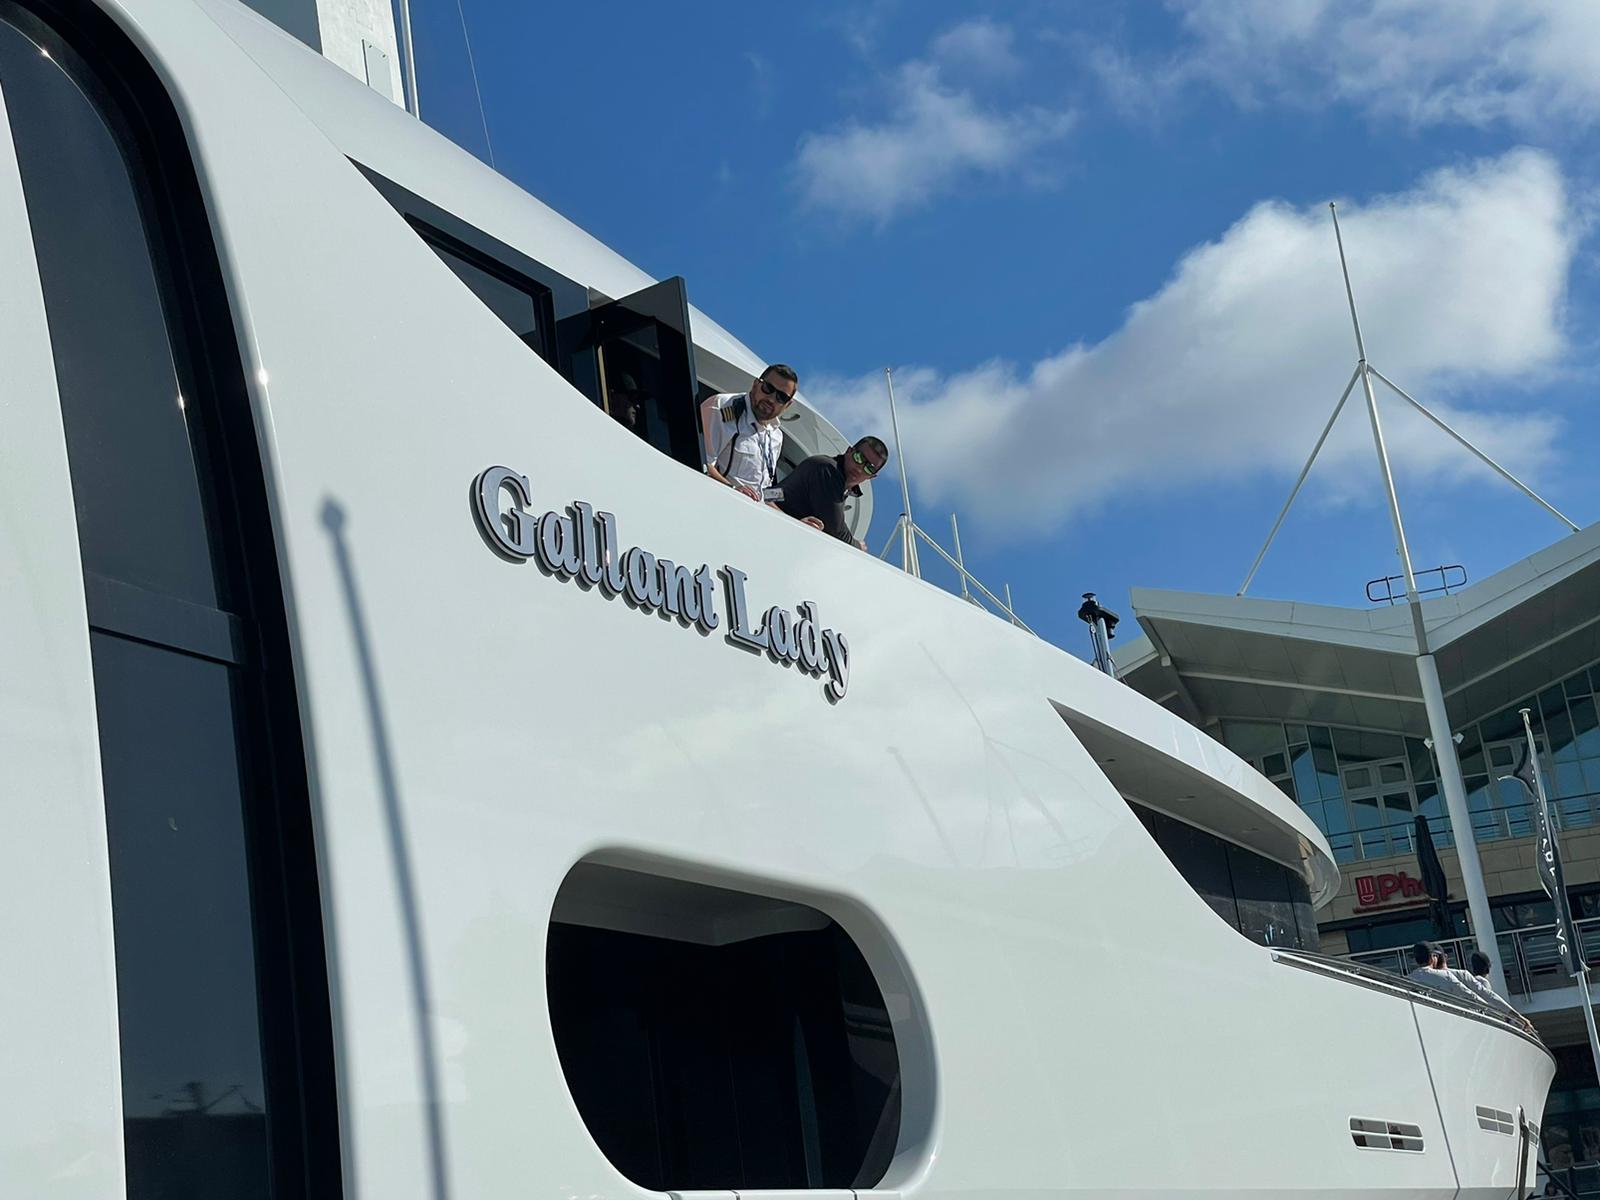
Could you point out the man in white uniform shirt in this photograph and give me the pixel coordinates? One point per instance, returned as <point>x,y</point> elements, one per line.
<point>742,436</point>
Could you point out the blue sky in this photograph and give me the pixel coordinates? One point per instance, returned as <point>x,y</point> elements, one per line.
<point>1093,242</point>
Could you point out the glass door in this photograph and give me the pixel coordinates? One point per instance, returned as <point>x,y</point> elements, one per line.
<point>647,375</point>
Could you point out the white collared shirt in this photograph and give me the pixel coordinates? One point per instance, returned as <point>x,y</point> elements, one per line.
<point>744,450</point>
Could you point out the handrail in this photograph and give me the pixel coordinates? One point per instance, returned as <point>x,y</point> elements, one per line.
<point>972,579</point>
<point>1444,585</point>
<point>1372,978</point>
<point>896,534</point>
<point>1528,954</point>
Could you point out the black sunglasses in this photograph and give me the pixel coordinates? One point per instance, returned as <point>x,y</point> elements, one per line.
<point>780,397</point>
<point>866,464</point>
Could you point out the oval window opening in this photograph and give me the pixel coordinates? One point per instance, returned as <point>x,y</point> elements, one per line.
<point>714,1038</point>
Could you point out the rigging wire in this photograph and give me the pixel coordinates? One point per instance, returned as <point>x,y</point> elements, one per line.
<point>472,63</point>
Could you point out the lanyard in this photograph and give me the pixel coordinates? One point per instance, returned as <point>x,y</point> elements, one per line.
<point>769,458</point>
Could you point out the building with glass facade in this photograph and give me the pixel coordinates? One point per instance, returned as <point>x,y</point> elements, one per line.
<point>1326,703</point>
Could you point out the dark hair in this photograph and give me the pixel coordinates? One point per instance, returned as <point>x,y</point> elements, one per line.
<point>782,371</point>
<point>1422,952</point>
<point>872,443</point>
<point>1480,962</point>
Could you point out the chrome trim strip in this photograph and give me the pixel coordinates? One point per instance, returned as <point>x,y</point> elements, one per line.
<point>1382,981</point>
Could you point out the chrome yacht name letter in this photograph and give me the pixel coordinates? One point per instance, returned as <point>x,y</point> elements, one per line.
<point>518,542</point>
<point>583,544</point>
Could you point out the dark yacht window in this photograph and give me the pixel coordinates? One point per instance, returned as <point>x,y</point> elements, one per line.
<point>1263,900</point>
<point>222,1000</point>
<point>632,357</point>
<point>522,304</point>
<point>715,1039</point>
<point>135,477</point>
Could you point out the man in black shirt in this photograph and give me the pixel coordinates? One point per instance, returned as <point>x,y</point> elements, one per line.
<point>814,491</point>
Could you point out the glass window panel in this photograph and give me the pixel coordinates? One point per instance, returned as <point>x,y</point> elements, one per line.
<point>1320,736</point>
<point>1266,910</point>
<point>1470,752</point>
<point>1523,914</point>
<point>1336,816</point>
<point>1501,757</point>
<point>1420,758</point>
<point>1571,796</point>
<point>1488,817</point>
<point>1577,685</point>
<point>1368,818</point>
<point>1358,777</point>
<point>1202,860</point>
<point>1557,726</point>
<point>1505,725</point>
<point>193,1102</point>
<point>1295,733</point>
<point>1274,765</point>
<point>1305,773</point>
<point>1585,726</point>
<point>1392,773</point>
<point>1327,772</point>
<point>1286,785</point>
<point>1252,739</point>
<point>136,482</point>
<point>1364,745</point>
<point>1591,776</point>
<point>516,305</point>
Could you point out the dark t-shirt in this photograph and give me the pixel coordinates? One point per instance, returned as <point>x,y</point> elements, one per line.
<point>816,489</point>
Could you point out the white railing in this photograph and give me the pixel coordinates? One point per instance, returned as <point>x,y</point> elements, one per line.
<point>968,581</point>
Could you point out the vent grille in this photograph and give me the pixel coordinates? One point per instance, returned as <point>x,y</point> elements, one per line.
<point>1496,1121</point>
<point>1372,1134</point>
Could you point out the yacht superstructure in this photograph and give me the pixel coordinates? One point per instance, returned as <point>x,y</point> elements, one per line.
<point>425,784</point>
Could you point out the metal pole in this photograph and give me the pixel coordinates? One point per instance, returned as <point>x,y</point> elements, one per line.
<point>910,560</point>
<point>1444,746</point>
<point>408,53</point>
<point>961,562</point>
<point>1564,920</point>
<point>1298,483</point>
<point>893,535</point>
<point>1501,471</point>
<point>1588,1017</point>
<point>1010,612</point>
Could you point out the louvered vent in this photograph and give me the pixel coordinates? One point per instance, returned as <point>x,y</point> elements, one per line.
<point>1372,1134</point>
<point>1496,1121</point>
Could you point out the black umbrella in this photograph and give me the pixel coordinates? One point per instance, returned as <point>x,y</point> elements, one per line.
<point>1433,880</point>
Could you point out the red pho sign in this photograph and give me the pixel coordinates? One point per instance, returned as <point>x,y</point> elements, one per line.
<point>1373,891</point>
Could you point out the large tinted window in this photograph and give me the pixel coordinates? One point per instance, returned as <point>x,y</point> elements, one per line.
<point>193,1093</point>
<point>221,996</point>
<point>1263,900</point>
<point>135,478</point>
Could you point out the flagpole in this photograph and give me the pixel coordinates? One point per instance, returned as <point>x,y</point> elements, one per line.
<point>1566,931</point>
<point>909,551</point>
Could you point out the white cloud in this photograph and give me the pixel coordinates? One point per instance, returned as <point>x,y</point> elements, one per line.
<point>1529,63</point>
<point>1231,368</point>
<point>936,134</point>
<point>980,45</point>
